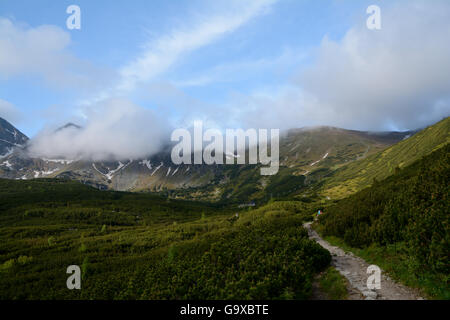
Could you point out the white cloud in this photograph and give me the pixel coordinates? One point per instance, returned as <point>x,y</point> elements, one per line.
<point>29,49</point>
<point>43,51</point>
<point>115,129</point>
<point>398,77</point>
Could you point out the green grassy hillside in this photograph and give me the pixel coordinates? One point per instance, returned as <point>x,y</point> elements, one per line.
<point>360,174</point>
<point>305,154</point>
<point>328,147</point>
<point>405,217</point>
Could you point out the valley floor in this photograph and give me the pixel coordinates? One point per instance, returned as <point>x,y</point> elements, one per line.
<point>354,269</point>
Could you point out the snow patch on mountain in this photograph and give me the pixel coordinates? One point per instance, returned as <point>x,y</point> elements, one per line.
<point>14,133</point>
<point>146,163</point>
<point>316,162</point>
<point>8,153</point>
<point>121,166</point>
<point>111,173</point>
<point>38,174</point>
<point>11,143</point>
<point>157,168</point>
<point>7,164</point>
<point>231,155</point>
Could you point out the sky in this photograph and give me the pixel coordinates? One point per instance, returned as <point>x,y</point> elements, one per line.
<point>138,69</point>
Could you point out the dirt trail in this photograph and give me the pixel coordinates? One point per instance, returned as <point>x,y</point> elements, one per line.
<point>354,269</point>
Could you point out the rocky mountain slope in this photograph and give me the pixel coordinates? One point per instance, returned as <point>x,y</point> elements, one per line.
<point>10,138</point>
<point>307,156</point>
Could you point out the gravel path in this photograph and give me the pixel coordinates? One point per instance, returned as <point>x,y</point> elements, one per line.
<point>355,270</point>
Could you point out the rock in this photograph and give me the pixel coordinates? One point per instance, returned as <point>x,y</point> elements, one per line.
<point>370,295</point>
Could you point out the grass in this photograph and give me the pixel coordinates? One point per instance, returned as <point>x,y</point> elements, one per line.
<point>360,174</point>
<point>395,261</point>
<point>333,284</point>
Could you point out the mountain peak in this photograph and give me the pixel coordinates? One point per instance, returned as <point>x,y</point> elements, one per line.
<point>67,126</point>
<point>10,137</point>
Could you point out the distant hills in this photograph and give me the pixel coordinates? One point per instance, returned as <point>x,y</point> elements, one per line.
<point>314,162</point>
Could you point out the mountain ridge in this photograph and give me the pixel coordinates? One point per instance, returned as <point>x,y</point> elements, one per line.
<point>308,156</point>
<point>10,137</point>
<point>358,175</point>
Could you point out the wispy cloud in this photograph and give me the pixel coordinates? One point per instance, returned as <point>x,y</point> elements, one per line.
<point>162,53</point>
<point>281,65</point>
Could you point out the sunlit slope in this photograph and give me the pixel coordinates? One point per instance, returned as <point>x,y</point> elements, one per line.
<point>304,155</point>
<point>403,222</point>
<point>327,147</point>
<point>360,174</point>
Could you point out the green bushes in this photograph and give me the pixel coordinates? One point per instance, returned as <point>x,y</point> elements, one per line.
<point>21,261</point>
<point>412,206</point>
<point>333,284</point>
<point>261,261</point>
<point>136,246</point>
<point>7,265</point>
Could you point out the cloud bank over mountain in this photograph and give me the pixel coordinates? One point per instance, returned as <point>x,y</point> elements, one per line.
<point>394,78</point>
<point>115,129</point>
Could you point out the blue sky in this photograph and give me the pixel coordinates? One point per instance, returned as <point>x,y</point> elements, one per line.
<point>226,62</point>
